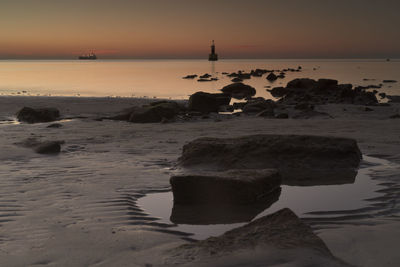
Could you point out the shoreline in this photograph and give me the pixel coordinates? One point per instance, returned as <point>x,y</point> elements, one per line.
<point>103,163</point>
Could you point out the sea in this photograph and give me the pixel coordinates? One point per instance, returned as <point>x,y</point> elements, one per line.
<point>163,78</point>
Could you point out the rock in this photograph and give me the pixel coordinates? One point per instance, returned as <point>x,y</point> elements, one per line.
<point>229,187</point>
<point>31,115</point>
<point>190,76</point>
<point>239,90</point>
<point>326,83</point>
<point>266,241</point>
<point>226,108</point>
<point>393,98</point>
<point>237,80</point>
<point>389,81</point>
<point>222,213</point>
<point>239,105</point>
<point>154,113</point>
<point>268,113</point>
<point>282,116</point>
<point>395,116</point>
<point>368,109</point>
<point>304,106</point>
<point>272,77</point>
<point>308,114</point>
<point>279,91</point>
<point>303,83</point>
<point>257,106</point>
<point>50,147</point>
<point>55,125</point>
<point>300,159</point>
<point>204,80</point>
<point>206,102</point>
<point>205,76</point>
<point>382,95</point>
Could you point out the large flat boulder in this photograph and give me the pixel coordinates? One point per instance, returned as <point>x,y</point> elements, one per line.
<point>274,239</point>
<point>300,159</point>
<point>31,115</point>
<point>154,112</point>
<point>229,187</point>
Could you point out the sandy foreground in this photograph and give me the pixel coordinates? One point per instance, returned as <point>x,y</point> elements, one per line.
<point>78,208</point>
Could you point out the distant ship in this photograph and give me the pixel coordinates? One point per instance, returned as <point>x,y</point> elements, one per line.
<point>213,56</point>
<point>91,56</point>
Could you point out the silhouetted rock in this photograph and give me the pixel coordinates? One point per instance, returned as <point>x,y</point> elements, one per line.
<point>237,80</point>
<point>303,83</point>
<point>382,95</point>
<point>389,81</point>
<point>190,76</point>
<point>154,113</point>
<point>393,98</point>
<point>229,187</point>
<point>280,230</point>
<point>50,147</point>
<point>279,91</point>
<point>55,125</point>
<point>206,102</point>
<point>204,80</point>
<point>205,76</point>
<point>239,90</point>
<point>272,77</point>
<point>257,106</point>
<point>31,115</point>
<point>300,159</point>
<point>282,116</point>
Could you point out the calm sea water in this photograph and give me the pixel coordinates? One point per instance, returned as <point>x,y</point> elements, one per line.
<point>163,78</point>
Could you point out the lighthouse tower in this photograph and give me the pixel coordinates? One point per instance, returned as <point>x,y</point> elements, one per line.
<point>213,56</point>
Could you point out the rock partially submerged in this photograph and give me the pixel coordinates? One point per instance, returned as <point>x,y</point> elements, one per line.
<point>300,159</point>
<point>322,91</point>
<point>239,90</point>
<point>206,102</point>
<point>229,187</point>
<point>42,147</point>
<point>32,115</point>
<point>282,230</point>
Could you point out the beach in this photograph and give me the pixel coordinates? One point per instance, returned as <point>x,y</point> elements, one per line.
<point>78,208</point>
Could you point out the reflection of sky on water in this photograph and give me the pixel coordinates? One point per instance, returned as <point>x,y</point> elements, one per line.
<point>163,78</point>
<point>300,199</point>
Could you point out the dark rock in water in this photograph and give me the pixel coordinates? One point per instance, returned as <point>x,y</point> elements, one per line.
<point>154,113</point>
<point>281,76</point>
<point>393,98</point>
<point>279,91</point>
<point>239,90</point>
<point>229,187</point>
<point>303,83</point>
<point>220,213</point>
<point>239,105</point>
<point>204,80</point>
<point>268,113</point>
<point>226,108</point>
<point>257,106</point>
<point>205,76</point>
<point>326,83</point>
<point>304,106</point>
<point>272,77</point>
<point>31,115</point>
<point>55,125</point>
<point>395,116</point>
<point>300,159</point>
<point>237,80</point>
<point>368,109</point>
<point>190,76</point>
<point>50,147</point>
<point>282,230</point>
<point>282,116</point>
<point>308,114</point>
<point>382,95</point>
<point>389,81</point>
<point>206,102</point>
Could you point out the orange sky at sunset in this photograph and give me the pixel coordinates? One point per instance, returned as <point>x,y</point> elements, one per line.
<point>184,29</point>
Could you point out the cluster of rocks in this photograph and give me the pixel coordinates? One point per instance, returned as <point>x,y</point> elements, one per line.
<point>322,91</point>
<point>203,78</point>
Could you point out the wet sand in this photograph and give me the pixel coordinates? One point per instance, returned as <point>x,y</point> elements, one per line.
<point>79,208</point>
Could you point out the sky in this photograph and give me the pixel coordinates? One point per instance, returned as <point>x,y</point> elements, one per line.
<point>119,29</point>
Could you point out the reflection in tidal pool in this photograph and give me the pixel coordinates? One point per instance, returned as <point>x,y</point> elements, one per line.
<point>204,221</point>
